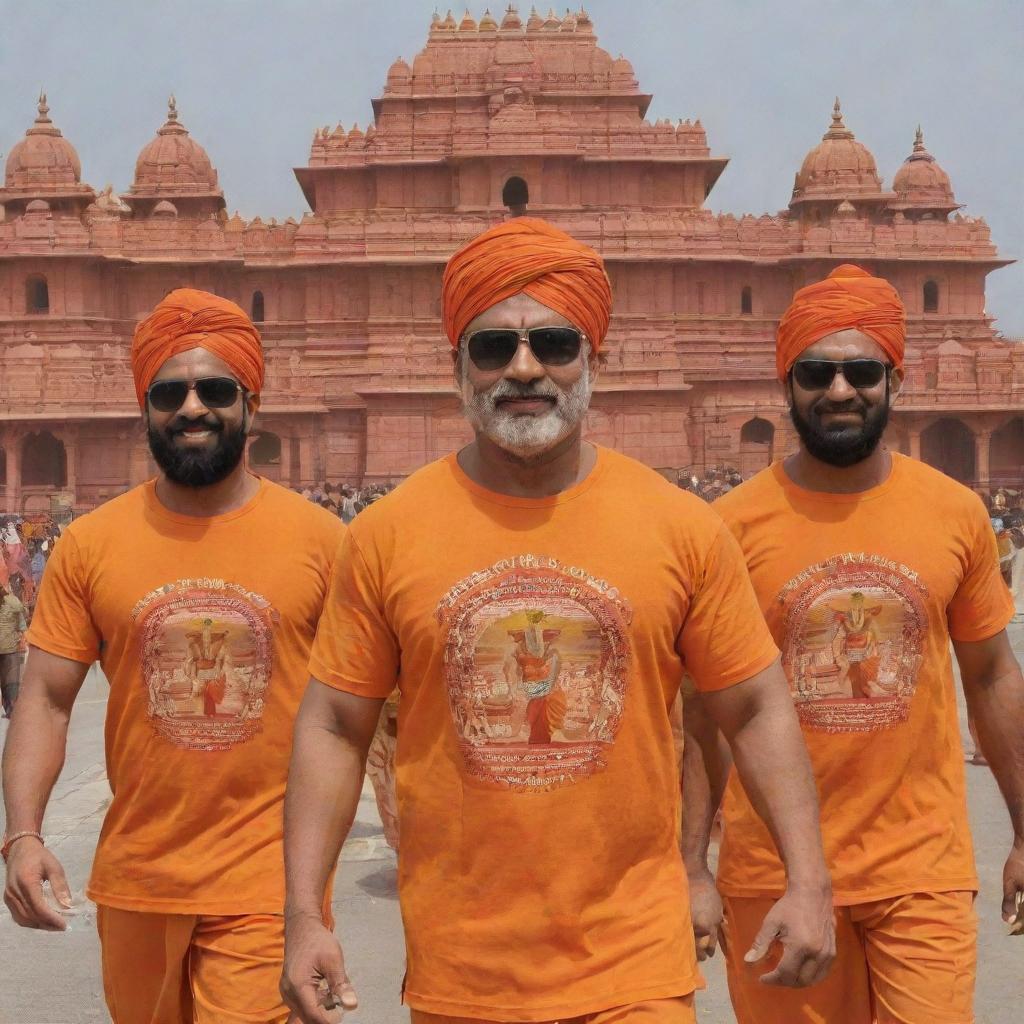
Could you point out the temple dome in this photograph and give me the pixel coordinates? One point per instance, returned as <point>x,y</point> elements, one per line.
<point>838,167</point>
<point>44,159</point>
<point>174,162</point>
<point>921,183</point>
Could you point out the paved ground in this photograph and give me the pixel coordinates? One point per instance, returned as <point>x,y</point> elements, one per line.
<point>54,979</point>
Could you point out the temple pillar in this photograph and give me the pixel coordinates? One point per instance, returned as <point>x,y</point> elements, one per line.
<point>71,463</point>
<point>307,470</point>
<point>915,443</point>
<point>138,465</point>
<point>286,461</point>
<point>982,448</point>
<point>12,491</point>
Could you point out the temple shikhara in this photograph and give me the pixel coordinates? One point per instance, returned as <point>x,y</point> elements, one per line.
<point>492,118</point>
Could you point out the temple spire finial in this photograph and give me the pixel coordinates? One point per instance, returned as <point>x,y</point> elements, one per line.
<point>837,115</point>
<point>172,108</point>
<point>919,141</point>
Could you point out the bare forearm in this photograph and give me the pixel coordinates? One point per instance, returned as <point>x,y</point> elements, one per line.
<point>998,711</point>
<point>776,773</point>
<point>324,785</point>
<point>33,758</point>
<point>706,763</point>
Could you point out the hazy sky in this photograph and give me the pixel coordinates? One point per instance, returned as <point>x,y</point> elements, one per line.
<point>253,78</point>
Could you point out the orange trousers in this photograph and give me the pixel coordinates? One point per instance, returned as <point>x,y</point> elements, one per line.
<point>187,969</point>
<point>656,1011</point>
<point>906,960</point>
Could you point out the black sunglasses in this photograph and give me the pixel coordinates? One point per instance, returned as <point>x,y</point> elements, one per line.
<point>213,392</point>
<point>493,348</point>
<point>818,374</point>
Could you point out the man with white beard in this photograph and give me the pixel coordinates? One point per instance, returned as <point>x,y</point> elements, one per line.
<point>539,869</point>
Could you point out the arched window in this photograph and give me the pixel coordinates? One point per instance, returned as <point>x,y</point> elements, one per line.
<point>257,307</point>
<point>43,461</point>
<point>515,195</point>
<point>37,294</point>
<point>757,438</point>
<point>931,296</point>
<point>747,300</point>
<point>266,450</point>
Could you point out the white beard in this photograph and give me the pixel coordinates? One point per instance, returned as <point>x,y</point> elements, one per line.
<point>526,436</point>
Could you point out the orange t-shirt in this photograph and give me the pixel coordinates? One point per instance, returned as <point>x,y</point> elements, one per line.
<point>862,593</point>
<point>203,627</point>
<point>538,645</point>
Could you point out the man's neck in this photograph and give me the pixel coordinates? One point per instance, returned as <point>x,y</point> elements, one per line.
<point>230,494</point>
<point>814,475</point>
<point>559,468</point>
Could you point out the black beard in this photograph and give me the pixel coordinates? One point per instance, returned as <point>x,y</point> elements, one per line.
<point>197,468</point>
<point>848,445</point>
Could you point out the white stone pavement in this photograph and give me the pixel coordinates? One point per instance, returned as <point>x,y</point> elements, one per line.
<point>54,979</point>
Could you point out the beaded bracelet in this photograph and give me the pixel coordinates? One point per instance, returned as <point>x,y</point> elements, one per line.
<point>9,841</point>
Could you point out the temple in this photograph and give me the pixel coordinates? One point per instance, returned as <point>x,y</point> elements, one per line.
<point>490,120</point>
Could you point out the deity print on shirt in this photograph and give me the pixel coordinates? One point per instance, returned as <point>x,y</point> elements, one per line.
<point>854,633</point>
<point>535,656</point>
<point>207,652</point>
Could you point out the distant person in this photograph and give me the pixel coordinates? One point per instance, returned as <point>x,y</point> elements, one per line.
<point>12,628</point>
<point>867,564</point>
<point>203,627</point>
<point>538,638</point>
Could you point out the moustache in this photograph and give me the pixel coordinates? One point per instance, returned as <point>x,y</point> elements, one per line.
<point>514,389</point>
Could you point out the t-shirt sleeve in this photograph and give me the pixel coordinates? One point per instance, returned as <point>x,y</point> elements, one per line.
<point>725,639</point>
<point>982,605</point>
<point>355,649</point>
<point>62,623</point>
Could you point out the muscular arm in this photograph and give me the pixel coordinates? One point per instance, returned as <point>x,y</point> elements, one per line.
<point>333,733</point>
<point>759,722</point>
<point>32,761</point>
<point>994,689</point>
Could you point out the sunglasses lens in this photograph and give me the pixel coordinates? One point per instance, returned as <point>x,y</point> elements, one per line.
<point>216,392</point>
<point>492,349</point>
<point>863,373</point>
<point>814,374</point>
<point>555,346</point>
<point>168,395</point>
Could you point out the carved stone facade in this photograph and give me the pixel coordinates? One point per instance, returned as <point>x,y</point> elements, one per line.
<point>488,120</point>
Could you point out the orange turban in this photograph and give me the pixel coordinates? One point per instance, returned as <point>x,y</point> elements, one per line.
<point>527,255</point>
<point>848,297</point>
<point>188,318</point>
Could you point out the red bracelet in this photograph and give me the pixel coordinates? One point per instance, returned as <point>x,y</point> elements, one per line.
<point>9,841</point>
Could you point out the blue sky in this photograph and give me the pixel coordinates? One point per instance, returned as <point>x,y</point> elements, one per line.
<point>253,78</point>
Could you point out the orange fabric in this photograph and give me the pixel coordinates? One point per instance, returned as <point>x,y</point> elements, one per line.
<point>907,960</point>
<point>657,1011</point>
<point>203,627</point>
<point>862,593</point>
<point>173,968</point>
<point>187,318</point>
<point>848,297</point>
<point>537,658</point>
<point>527,255</point>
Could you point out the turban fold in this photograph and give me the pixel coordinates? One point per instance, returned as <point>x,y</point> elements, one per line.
<point>527,255</point>
<point>187,318</point>
<point>848,297</point>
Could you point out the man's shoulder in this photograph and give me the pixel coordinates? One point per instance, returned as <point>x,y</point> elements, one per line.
<point>750,496</point>
<point>108,518</point>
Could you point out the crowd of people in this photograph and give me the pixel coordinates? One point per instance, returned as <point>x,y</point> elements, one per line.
<point>712,483</point>
<point>26,543</point>
<point>344,500</point>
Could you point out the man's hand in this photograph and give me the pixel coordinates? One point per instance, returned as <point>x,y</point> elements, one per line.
<point>804,923</point>
<point>29,864</point>
<point>705,913</point>
<point>1013,890</point>
<point>314,984</point>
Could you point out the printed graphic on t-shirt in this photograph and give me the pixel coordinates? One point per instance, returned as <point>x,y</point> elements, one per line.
<point>535,661</point>
<point>854,634</point>
<point>207,652</point>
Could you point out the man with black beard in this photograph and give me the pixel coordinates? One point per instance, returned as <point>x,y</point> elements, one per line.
<point>535,598</point>
<point>203,629</point>
<point>866,564</point>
